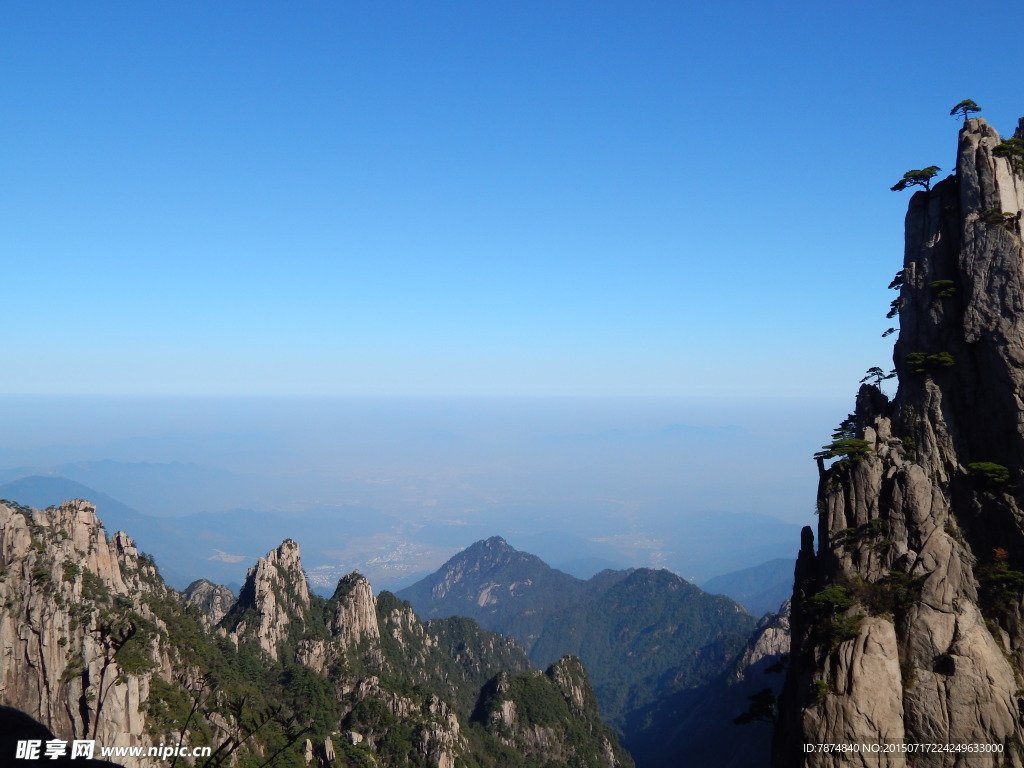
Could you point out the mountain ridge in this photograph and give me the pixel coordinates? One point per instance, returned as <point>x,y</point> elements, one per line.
<point>642,633</point>
<point>93,644</point>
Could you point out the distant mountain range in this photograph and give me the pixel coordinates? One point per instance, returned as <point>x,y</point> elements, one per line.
<point>94,643</point>
<point>216,545</point>
<point>646,636</point>
<point>426,518</point>
<point>659,652</point>
<point>394,552</point>
<point>760,588</point>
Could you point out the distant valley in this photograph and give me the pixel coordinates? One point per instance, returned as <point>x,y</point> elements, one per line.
<point>657,649</point>
<point>647,647</point>
<point>395,549</point>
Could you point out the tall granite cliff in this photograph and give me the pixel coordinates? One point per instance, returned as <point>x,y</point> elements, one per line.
<point>907,615</point>
<point>71,655</point>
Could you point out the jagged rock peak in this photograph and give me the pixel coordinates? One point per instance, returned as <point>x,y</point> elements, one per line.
<point>570,676</point>
<point>354,614</point>
<point>987,181</point>
<point>213,600</point>
<point>81,532</point>
<point>276,591</point>
<point>530,711</point>
<point>908,621</point>
<point>128,667</point>
<point>770,641</point>
<point>281,566</point>
<point>494,543</point>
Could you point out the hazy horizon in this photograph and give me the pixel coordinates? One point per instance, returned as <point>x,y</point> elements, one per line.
<point>365,437</point>
<point>625,482</point>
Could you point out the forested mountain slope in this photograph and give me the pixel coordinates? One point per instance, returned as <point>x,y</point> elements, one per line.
<point>93,644</point>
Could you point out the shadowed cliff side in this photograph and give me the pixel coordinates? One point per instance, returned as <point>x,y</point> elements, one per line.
<point>907,618</point>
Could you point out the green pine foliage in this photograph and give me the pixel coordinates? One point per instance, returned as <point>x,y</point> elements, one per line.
<point>964,109</point>
<point>1013,150</point>
<point>995,217</point>
<point>827,609</point>
<point>988,474</point>
<point>890,596</point>
<point>922,362</point>
<point>846,445</point>
<point>256,712</point>
<point>943,288</point>
<point>1001,586</point>
<point>922,178</point>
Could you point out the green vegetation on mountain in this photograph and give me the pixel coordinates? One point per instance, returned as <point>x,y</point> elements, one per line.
<point>503,589</point>
<point>651,634</point>
<point>123,656</point>
<point>643,634</point>
<point>917,178</point>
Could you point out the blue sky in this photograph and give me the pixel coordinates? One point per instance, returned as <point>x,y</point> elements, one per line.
<point>465,198</point>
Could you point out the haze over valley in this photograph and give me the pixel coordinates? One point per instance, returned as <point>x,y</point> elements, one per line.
<point>392,487</point>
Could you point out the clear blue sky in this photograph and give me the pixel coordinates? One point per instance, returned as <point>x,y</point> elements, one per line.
<point>514,198</point>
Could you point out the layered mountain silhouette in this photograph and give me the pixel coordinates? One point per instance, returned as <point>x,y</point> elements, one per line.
<point>656,647</point>
<point>95,645</point>
<point>760,589</point>
<point>215,545</point>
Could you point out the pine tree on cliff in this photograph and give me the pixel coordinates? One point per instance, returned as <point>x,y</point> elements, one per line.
<point>965,108</point>
<point>908,607</point>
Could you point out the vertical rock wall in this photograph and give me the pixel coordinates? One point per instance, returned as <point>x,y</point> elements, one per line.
<point>907,613</point>
<point>60,628</point>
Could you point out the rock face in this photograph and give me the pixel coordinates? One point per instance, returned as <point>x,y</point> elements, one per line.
<point>354,618</point>
<point>540,714</point>
<point>907,617</point>
<point>275,592</point>
<point>94,645</point>
<point>71,658</point>
<point>212,600</point>
<point>770,641</point>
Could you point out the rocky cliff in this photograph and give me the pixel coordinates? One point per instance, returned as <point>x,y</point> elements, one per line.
<point>213,601</point>
<point>906,613</point>
<point>94,645</point>
<point>78,641</point>
<point>353,617</point>
<point>274,594</point>
<point>554,713</point>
